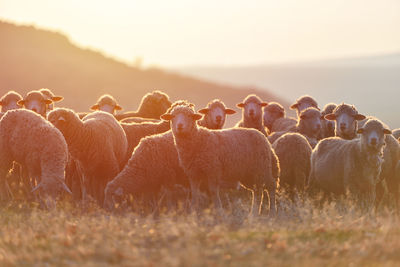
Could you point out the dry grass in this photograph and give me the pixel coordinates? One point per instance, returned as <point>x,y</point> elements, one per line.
<point>298,236</point>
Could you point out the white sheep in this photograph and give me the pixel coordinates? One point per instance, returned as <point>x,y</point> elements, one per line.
<point>50,95</point>
<point>294,154</point>
<point>309,125</point>
<point>252,116</point>
<point>214,157</point>
<point>214,115</point>
<point>303,103</point>
<point>152,106</point>
<point>97,142</point>
<point>328,127</point>
<point>345,117</point>
<point>30,140</point>
<point>148,174</point>
<point>9,101</point>
<point>274,118</point>
<point>106,103</point>
<point>35,101</point>
<point>339,165</point>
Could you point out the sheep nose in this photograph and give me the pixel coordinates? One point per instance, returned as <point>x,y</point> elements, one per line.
<point>343,126</point>
<point>218,118</point>
<point>251,112</point>
<point>373,141</point>
<point>179,126</point>
<point>318,126</point>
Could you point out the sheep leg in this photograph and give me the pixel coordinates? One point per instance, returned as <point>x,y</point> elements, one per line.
<point>195,191</point>
<point>214,190</point>
<point>5,192</point>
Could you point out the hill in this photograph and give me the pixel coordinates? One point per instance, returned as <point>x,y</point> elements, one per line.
<point>371,83</point>
<point>34,58</point>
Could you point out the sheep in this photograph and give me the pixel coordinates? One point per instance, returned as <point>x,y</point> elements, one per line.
<point>214,115</point>
<point>97,142</point>
<point>35,101</point>
<point>345,117</point>
<point>275,112</point>
<point>252,113</point>
<point>339,165</point>
<point>396,133</point>
<point>294,154</point>
<point>303,103</point>
<point>152,106</point>
<point>146,174</point>
<point>106,103</point>
<point>309,125</point>
<point>215,157</point>
<point>136,131</point>
<point>28,139</point>
<point>49,95</point>
<point>9,101</point>
<point>328,127</point>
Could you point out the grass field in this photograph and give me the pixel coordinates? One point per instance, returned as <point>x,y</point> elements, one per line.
<point>298,236</point>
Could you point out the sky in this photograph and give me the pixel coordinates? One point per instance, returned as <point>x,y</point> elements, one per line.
<point>175,33</point>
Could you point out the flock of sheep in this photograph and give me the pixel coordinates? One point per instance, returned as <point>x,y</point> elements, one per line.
<point>165,152</point>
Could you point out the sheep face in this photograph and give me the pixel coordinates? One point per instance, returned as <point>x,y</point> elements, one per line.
<point>310,122</point>
<point>183,120</point>
<point>372,135</point>
<point>303,103</point>
<point>36,102</point>
<point>107,104</point>
<point>215,114</point>
<point>49,95</point>
<point>113,195</point>
<point>9,101</point>
<point>272,112</point>
<point>345,117</point>
<point>50,190</point>
<point>252,107</point>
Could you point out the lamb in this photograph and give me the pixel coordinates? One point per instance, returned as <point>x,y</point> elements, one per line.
<point>345,117</point>
<point>252,113</point>
<point>303,103</point>
<point>214,115</point>
<point>97,142</point>
<point>49,95</point>
<point>33,142</point>
<point>152,106</point>
<point>146,174</point>
<point>328,127</point>
<point>9,101</point>
<point>339,165</point>
<point>294,154</point>
<point>35,101</point>
<point>275,120</point>
<point>215,157</point>
<point>309,125</point>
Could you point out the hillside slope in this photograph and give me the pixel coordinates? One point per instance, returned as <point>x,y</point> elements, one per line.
<point>32,58</point>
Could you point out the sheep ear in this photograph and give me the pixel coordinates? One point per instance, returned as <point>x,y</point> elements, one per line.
<point>359,117</point>
<point>204,110</point>
<point>229,111</point>
<point>95,107</point>
<point>318,108</point>
<point>21,103</point>
<point>294,106</point>
<point>303,117</point>
<point>197,116</point>
<point>264,104</point>
<point>1,103</point>
<point>330,117</point>
<point>387,131</point>
<point>167,117</point>
<point>360,131</point>
<point>57,98</point>
<point>240,105</point>
<point>118,107</point>
<point>48,101</point>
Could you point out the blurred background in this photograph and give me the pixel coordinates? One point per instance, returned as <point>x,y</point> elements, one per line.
<point>337,51</point>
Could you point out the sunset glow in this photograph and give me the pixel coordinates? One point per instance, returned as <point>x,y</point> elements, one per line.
<point>178,32</point>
